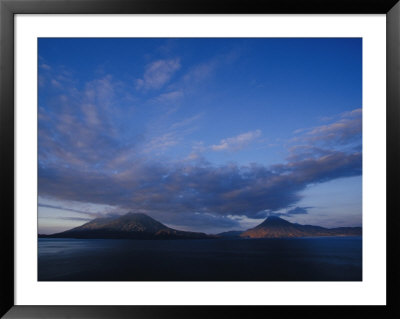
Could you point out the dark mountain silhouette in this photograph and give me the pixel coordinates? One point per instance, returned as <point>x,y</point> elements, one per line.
<point>276,227</point>
<point>230,234</point>
<point>141,226</point>
<point>131,225</point>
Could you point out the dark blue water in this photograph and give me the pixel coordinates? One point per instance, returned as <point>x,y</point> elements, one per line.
<point>299,259</point>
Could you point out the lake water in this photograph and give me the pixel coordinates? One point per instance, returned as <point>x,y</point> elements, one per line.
<point>297,259</point>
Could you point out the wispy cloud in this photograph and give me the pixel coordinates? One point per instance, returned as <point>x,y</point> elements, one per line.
<point>187,121</point>
<point>78,219</point>
<point>64,208</point>
<point>200,72</point>
<point>210,223</point>
<point>78,130</point>
<point>162,142</point>
<point>157,74</point>
<point>169,97</point>
<point>298,211</point>
<point>237,142</point>
<point>55,83</point>
<point>346,129</point>
<point>45,66</point>
<point>291,212</point>
<point>164,138</point>
<point>91,210</point>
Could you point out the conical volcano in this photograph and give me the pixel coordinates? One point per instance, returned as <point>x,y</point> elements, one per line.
<point>276,227</point>
<point>131,225</point>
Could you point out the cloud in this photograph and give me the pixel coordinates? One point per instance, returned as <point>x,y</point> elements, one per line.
<point>63,208</point>
<point>206,222</point>
<point>81,130</point>
<point>159,141</point>
<point>157,74</point>
<point>45,66</point>
<point>169,97</point>
<point>89,209</point>
<point>289,213</point>
<point>298,211</point>
<point>187,121</point>
<point>76,219</point>
<point>236,143</point>
<point>200,72</point>
<point>87,131</point>
<point>353,113</point>
<point>162,142</point>
<point>162,189</point>
<point>54,76</point>
<point>204,70</point>
<point>344,131</point>
<point>55,83</point>
<point>84,158</point>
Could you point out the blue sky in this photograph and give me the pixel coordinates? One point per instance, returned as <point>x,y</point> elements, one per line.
<point>201,134</point>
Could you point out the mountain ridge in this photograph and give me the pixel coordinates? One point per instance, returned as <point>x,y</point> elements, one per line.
<point>142,226</point>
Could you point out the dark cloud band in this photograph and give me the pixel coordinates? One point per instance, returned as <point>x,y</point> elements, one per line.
<point>179,189</point>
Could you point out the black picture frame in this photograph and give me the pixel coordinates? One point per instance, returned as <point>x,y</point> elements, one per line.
<point>8,8</point>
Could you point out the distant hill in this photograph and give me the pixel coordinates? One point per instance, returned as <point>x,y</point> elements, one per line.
<point>230,234</point>
<point>131,225</point>
<point>276,227</point>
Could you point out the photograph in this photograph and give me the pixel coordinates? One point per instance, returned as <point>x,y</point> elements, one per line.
<point>199,159</point>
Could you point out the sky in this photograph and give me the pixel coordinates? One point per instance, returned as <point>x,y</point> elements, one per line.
<point>202,134</point>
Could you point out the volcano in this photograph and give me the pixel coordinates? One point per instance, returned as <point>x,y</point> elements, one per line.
<point>276,227</point>
<point>129,226</point>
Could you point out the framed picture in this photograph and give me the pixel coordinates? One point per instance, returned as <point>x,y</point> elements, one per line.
<point>163,158</point>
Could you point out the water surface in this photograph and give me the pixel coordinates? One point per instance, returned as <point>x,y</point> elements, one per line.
<point>296,259</point>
